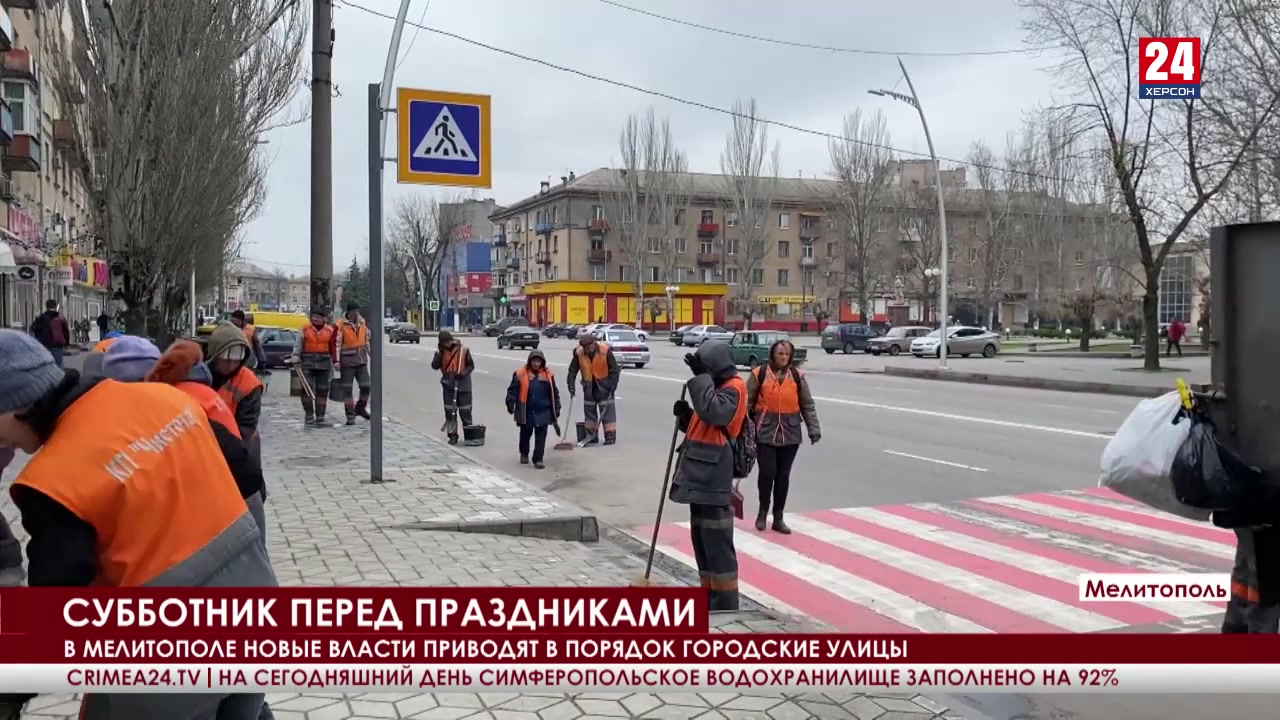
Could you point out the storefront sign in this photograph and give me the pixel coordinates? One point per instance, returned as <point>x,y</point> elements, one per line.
<point>783,299</point>
<point>61,276</point>
<point>27,273</point>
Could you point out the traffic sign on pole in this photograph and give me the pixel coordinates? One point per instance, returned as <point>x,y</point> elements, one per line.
<point>443,138</point>
<point>434,306</point>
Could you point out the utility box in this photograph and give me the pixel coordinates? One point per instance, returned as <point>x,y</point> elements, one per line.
<point>1244,277</point>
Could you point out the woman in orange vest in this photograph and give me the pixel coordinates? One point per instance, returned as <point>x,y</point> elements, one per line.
<point>107,504</point>
<point>711,419</point>
<point>228,353</point>
<point>533,399</point>
<point>780,402</point>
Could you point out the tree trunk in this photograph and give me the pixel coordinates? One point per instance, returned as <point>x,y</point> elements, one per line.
<point>1151,323</point>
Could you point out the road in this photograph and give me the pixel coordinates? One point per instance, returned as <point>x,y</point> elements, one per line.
<point>926,507</point>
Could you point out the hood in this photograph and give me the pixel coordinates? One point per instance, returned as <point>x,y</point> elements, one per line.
<point>182,361</point>
<point>226,336</point>
<point>719,360</point>
<point>536,354</point>
<point>51,313</point>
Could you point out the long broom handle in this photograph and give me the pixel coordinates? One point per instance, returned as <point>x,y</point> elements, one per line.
<point>306,386</point>
<point>662,499</point>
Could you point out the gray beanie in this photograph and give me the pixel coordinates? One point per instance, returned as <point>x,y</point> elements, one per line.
<point>129,359</point>
<point>27,371</point>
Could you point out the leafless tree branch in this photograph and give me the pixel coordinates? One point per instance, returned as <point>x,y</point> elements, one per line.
<point>750,169</point>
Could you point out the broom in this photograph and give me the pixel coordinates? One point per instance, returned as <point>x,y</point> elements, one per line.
<point>644,580</point>
<point>566,444</point>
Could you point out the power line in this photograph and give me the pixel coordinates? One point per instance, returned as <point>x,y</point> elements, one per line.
<point>812,46</point>
<point>416,30</point>
<point>699,104</point>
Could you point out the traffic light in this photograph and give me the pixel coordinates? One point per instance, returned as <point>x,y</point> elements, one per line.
<point>503,300</point>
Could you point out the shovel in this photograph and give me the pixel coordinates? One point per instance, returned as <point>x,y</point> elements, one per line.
<point>565,444</point>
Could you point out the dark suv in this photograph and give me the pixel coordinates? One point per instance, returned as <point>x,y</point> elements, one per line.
<point>848,338</point>
<point>494,329</point>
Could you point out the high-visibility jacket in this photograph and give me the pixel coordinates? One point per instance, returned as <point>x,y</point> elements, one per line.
<point>238,387</point>
<point>249,332</point>
<point>102,345</point>
<point>453,361</point>
<point>317,346</point>
<point>593,367</point>
<point>152,482</point>
<point>704,474</point>
<point>215,407</point>
<point>777,407</point>
<point>353,341</point>
<point>523,378</point>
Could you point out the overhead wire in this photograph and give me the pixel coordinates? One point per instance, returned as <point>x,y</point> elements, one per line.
<point>813,46</point>
<point>417,29</point>
<point>698,103</point>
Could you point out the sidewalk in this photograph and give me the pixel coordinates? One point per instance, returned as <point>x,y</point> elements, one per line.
<point>328,526</point>
<point>1106,376</point>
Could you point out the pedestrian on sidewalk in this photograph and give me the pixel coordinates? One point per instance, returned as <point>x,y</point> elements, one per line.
<point>533,399</point>
<point>600,376</point>
<point>1177,330</point>
<point>780,401</point>
<point>711,419</point>
<point>104,324</point>
<point>51,330</point>
<point>171,519</point>
<point>229,354</point>
<point>455,364</point>
<point>353,358</point>
<point>315,354</point>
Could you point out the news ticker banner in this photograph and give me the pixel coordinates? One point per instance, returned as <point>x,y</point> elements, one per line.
<point>562,639</point>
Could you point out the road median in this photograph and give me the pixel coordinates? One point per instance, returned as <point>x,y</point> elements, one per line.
<point>1029,382</point>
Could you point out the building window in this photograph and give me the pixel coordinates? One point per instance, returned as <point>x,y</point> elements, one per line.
<point>624,273</point>
<point>597,212</point>
<point>731,247</point>
<point>555,215</point>
<point>806,277</point>
<point>831,250</point>
<point>705,247</point>
<point>731,219</point>
<point>681,247</point>
<point>784,248</point>
<point>541,275</point>
<point>708,275</point>
<point>655,245</point>
<point>24,114</point>
<point>679,218</point>
<point>1175,289</point>
<point>757,277</point>
<point>677,275</point>
<point>655,274</point>
<point>784,277</point>
<point>1017,283</point>
<point>1079,284</point>
<point>806,251</point>
<point>598,272</point>
<point>809,221</point>
<point>784,221</point>
<point>1017,255</point>
<point>731,276</point>
<point>708,217</point>
<point>597,243</point>
<point>1079,259</point>
<point>970,284</point>
<point>973,254</point>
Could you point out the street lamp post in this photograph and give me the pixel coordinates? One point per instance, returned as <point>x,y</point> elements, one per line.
<point>914,101</point>
<point>939,275</point>
<point>671,314</point>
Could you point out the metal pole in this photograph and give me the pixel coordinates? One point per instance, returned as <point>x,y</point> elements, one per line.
<point>194,324</point>
<point>942,222</point>
<point>377,336</point>
<point>422,292</point>
<point>389,70</point>
<point>322,154</point>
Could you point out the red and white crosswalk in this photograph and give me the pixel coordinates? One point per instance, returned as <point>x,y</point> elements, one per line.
<point>1001,564</point>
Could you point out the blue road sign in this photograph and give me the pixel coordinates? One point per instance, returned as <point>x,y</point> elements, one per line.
<point>443,138</point>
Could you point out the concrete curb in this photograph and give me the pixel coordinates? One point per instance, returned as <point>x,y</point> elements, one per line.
<point>1035,383</point>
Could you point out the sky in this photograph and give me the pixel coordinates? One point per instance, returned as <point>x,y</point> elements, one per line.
<point>547,122</point>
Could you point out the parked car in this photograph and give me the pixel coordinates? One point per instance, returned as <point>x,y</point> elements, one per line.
<point>751,348</point>
<point>554,329</point>
<point>277,345</point>
<point>627,347</point>
<point>961,340</point>
<point>571,331</point>
<point>518,336</point>
<point>495,329</point>
<point>406,332</point>
<point>848,338</point>
<point>643,334</point>
<point>677,336</point>
<point>896,340</point>
<point>699,334</point>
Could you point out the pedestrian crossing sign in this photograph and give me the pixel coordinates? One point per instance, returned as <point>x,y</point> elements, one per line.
<point>443,138</point>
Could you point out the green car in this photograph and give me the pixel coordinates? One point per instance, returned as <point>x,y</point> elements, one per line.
<point>751,348</point>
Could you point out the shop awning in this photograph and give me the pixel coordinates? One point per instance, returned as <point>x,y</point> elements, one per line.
<point>7,261</point>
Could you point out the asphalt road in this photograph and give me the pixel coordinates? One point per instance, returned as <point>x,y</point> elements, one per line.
<point>885,440</point>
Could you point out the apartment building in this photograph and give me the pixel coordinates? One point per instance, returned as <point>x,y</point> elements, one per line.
<point>47,169</point>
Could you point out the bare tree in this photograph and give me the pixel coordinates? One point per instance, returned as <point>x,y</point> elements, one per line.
<point>651,185</point>
<point>175,168</point>
<point>1171,158</point>
<point>279,286</point>
<point>1045,164</point>
<point>422,233</point>
<point>750,169</point>
<point>860,162</point>
<point>994,199</point>
<point>917,214</point>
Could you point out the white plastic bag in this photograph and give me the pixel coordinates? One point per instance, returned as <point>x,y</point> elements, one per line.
<point>1138,460</point>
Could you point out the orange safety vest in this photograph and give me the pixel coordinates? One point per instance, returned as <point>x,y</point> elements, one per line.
<point>454,360</point>
<point>780,398</point>
<point>249,331</point>
<point>317,341</point>
<point>524,377</point>
<point>354,335</point>
<point>238,387</point>
<point>593,368</point>
<point>701,432</point>
<point>139,463</point>
<point>104,344</point>
<point>215,408</point>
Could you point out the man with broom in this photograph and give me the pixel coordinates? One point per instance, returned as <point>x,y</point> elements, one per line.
<point>600,375</point>
<point>455,365</point>
<point>534,401</point>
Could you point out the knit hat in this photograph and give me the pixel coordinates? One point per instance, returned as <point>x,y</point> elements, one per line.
<point>129,359</point>
<point>27,371</point>
<point>176,363</point>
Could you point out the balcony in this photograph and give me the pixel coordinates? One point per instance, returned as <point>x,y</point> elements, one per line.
<point>544,228</point>
<point>513,263</point>
<point>6,188</point>
<point>22,4</point>
<point>500,240</point>
<point>599,256</point>
<point>542,258</point>
<point>708,258</point>
<point>64,134</point>
<point>6,125</point>
<point>808,262</point>
<point>495,292</point>
<point>598,226</point>
<point>809,234</point>
<point>23,154</point>
<point>708,229</point>
<point>6,31</point>
<point>18,65</point>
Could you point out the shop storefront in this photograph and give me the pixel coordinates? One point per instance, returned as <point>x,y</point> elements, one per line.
<point>83,283</point>
<point>580,302</point>
<point>22,282</point>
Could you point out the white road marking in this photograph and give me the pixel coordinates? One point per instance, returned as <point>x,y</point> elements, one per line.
<point>746,588</point>
<point>935,461</point>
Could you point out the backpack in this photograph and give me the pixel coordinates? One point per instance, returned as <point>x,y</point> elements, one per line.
<point>58,331</point>
<point>744,449</point>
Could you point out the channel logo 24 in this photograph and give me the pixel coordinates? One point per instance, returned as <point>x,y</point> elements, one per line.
<point>1168,68</point>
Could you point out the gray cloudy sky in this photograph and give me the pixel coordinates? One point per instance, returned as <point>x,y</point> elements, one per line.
<point>548,122</point>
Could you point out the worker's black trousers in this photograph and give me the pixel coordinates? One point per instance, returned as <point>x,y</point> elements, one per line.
<point>774,480</point>
<point>536,433</point>
<point>1244,613</point>
<point>711,530</point>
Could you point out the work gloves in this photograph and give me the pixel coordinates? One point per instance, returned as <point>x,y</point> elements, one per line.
<point>511,408</point>
<point>813,439</point>
<point>695,364</point>
<point>683,411</point>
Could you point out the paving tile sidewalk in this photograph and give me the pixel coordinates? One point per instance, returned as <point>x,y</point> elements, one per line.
<point>327,527</point>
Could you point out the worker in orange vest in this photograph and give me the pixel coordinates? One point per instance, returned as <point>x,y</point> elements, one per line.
<point>228,355</point>
<point>244,321</point>
<point>126,487</point>
<point>533,399</point>
<point>353,362</point>
<point>315,353</point>
<point>456,365</point>
<point>600,375</point>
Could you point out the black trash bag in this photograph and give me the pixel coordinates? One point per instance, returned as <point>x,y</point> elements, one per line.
<point>1208,475</point>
